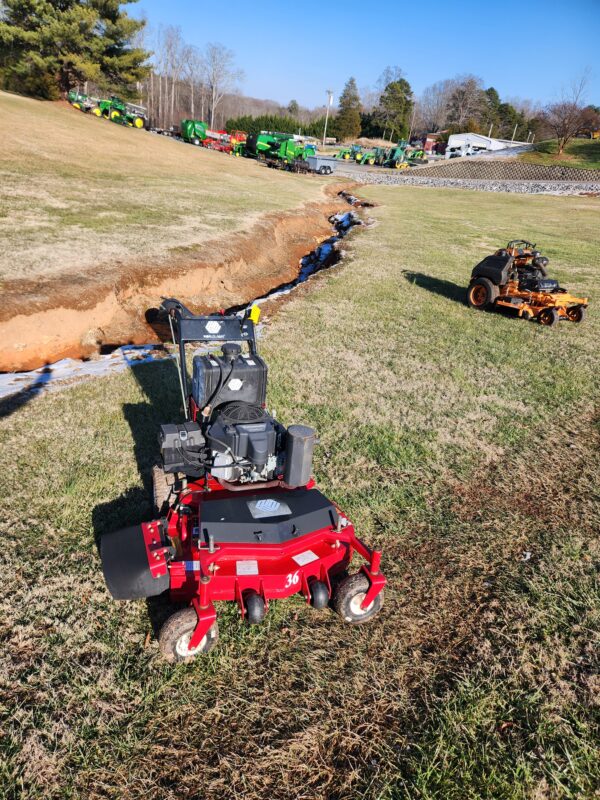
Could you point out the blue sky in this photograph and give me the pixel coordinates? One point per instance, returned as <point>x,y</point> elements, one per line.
<point>528,49</point>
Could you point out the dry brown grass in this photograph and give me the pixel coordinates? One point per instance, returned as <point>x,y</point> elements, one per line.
<point>77,192</point>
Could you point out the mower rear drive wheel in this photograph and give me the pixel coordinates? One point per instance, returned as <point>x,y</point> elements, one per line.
<point>175,634</point>
<point>548,317</point>
<point>161,490</point>
<point>482,293</point>
<point>576,313</point>
<point>349,596</point>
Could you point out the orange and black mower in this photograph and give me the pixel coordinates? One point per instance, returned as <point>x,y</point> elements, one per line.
<point>516,277</point>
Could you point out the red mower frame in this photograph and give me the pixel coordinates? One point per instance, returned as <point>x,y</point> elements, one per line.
<point>200,575</point>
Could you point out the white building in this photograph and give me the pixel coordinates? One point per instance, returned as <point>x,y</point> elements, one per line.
<point>467,144</point>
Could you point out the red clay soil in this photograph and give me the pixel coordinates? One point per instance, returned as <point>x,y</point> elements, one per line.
<point>45,320</point>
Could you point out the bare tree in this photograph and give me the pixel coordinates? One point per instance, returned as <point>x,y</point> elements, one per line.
<point>566,117</point>
<point>194,72</point>
<point>369,98</point>
<point>389,75</point>
<point>220,75</point>
<point>432,106</point>
<point>466,100</point>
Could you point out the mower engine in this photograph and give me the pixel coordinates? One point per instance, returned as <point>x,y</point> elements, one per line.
<point>234,438</point>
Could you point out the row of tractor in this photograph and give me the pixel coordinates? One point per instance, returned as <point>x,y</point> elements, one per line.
<point>277,150</point>
<point>112,108</point>
<point>398,156</point>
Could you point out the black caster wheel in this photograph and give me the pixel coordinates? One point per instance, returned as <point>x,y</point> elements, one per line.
<point>255,608</point>
<point>349,596</point>
<point>319,594</point>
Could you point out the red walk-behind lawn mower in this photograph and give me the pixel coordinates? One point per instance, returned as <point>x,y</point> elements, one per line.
<point>239,517</point>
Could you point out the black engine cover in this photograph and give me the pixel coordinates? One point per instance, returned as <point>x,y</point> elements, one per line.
<point>532,284</point>
<point>253,438</point>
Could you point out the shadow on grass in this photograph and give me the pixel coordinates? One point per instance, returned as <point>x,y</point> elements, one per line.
<point>160,384</point>
<point>444,288</point>
<point>12,403</point>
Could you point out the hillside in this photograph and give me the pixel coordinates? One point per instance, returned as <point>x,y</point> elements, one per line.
<point>579,153</point>
<point>91,212</point>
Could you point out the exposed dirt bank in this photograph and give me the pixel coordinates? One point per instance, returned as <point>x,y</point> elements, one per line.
<point>45,320</point>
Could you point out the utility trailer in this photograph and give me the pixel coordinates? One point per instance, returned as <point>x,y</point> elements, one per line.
<point>322,165</point>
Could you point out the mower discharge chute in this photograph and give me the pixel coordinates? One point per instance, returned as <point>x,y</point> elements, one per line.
<point>238,515</point>
<point>516,277</point>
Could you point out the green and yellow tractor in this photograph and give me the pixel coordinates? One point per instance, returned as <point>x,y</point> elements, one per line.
<point>80,101</point>
<point>350,153</point>
<point>119,111</point>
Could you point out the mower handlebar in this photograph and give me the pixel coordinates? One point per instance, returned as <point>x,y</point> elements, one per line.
<point>189,327</point>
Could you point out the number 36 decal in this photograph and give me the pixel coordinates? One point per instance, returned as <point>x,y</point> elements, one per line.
<point>292,579</point>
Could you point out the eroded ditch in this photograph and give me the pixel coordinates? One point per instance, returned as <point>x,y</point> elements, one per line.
<point>113,357</point>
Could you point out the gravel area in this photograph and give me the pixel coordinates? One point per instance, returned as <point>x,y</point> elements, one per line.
<point>519,187</point>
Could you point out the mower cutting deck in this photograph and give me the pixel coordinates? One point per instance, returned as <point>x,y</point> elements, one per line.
<point>238,516</point>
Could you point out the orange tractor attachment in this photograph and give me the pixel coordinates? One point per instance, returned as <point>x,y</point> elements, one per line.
<point>515,277</point>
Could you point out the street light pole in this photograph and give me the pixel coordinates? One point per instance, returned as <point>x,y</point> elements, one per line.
<point>329,102</point>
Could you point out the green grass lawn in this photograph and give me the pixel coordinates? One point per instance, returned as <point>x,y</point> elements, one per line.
<point>463,443</point>
<point>580,153</point>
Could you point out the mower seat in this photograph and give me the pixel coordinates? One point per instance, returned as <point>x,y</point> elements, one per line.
<point>495,268</point>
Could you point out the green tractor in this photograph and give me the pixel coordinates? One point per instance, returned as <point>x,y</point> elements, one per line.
<point>261,145</point>
<point>290,151</point>
<point>416,155</point>
<point>121,112</point>
<point>80,101</point>
<point>395,157</point>
<point>349,153</point>
<point>369,157</point>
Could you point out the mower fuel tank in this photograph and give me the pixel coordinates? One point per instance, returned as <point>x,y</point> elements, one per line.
<point>300,444</point>
<point>242,378</point>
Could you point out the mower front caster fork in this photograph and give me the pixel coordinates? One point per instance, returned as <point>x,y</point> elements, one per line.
<point>351,599</point>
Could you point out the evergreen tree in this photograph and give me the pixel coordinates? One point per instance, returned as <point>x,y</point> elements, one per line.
<point>49,46</point>
<point>395,107</point>
<point>347,122</point>
<point>293,108</point>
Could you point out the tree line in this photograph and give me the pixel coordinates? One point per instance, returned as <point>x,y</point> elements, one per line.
<point>48,47</point>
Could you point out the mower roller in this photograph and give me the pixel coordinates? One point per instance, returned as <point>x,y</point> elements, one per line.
<point>239,517</point>
<point>516,277</point>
